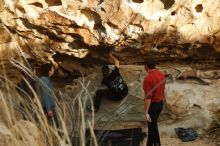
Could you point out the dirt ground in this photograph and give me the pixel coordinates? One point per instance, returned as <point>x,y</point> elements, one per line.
<point>177,142</point>
<point>173,141</point>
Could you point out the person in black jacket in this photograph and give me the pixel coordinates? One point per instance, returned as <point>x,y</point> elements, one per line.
<point>114,86</point>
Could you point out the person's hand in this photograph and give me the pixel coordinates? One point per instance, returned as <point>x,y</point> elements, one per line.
<point>49,114</point>
<point>148,117</point>
<point>116,61</point>
<point>110,54</point>
<point>60,94</point>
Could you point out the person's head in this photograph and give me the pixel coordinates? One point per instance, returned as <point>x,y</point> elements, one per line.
<point>105,70</point>
<point>47,69</point>
<point>149,65</point>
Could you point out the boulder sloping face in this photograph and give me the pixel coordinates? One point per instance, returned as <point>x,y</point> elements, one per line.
<point>166,29</point>
<point>191,99</point>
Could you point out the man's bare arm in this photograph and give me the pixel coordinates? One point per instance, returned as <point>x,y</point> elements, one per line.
<point>147,106</point>
<point>116,61</point>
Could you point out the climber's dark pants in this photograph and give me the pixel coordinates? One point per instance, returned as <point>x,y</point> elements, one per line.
<point>104,93</point>
<point>153,132</point>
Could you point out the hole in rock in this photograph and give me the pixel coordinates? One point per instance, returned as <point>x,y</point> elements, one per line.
<point>102,9</point>
<point>112,25</point>
<point>197,106</point>
<point>37,4</point>
<point>53,2</point>
<point>20,8</point>
<point>199,8</point>
<point>173,13</point>
<point>138,1</point>
<point>167,3</point>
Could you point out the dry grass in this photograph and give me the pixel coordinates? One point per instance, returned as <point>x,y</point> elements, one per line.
<point>71,112</point>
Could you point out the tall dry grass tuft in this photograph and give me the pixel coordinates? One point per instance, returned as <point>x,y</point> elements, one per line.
<point>16,107</point>
<point>70,110</point>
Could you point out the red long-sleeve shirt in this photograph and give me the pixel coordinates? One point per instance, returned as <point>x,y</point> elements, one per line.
<point>154,85</point>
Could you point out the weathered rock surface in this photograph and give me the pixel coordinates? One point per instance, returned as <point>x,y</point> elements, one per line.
<point>137,30</point>
<point>9,51</point>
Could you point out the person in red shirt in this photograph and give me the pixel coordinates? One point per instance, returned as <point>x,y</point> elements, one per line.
<point>153,85</point>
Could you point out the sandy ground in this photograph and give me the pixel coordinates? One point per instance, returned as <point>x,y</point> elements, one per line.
<point>177,142</point>
<point>169,141</point>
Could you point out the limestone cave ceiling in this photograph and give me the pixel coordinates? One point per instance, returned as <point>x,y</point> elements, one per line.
<point>82,32</point>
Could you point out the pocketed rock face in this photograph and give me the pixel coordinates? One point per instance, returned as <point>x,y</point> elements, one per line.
<point>136,30</point>
<point>9,54</point>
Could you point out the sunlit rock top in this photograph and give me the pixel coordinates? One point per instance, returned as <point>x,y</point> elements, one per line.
<point>69,30</point>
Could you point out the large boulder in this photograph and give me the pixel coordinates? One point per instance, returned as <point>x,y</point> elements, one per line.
<point>192,99</point>
<point>6,137</point>
<point>26,133</point>
<point>22,133</point>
